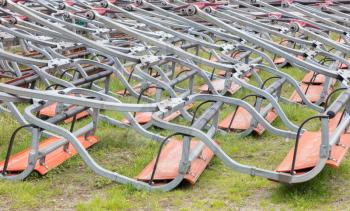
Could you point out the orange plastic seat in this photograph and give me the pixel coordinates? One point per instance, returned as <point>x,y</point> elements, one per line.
<point>300,57</point>
<point>168,165</point>
<point>25,85</point>
<point>344,66</point>
<point>19,161</point>
<point>309,151</point>
<point>319,79</point>
<point>279,60</point>
<point>313,93</point>
<point>29,53</point>
<point>50,111</point>
<point>213,59</point>
<point>339,151</point>
<point>219,85</point>
<point>242,121</point>
<point>270,117</point>
<point>141,118</point>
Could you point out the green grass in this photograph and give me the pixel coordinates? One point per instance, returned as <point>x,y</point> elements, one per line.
<point>74,186</point>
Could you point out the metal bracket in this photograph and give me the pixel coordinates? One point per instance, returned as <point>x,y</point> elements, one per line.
<point>170,104</point>
<point>163,35</point>
<point>184,167</point>
<point>146,60</point>
<point>137,49</point>
<point>242,68</point>
<point>344,75</point>
<point>311,54</point>
<point>58,62</point>
<point>228,47</point>
<point>64,45</point>
<point>324,151</point>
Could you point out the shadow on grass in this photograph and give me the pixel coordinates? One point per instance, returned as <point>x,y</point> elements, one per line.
<point>311,194</point>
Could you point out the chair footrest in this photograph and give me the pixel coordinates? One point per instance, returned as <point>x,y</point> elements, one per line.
<point>308,153</point>
<point>242,121</point>
<point>19,161</point>
<point>313,93</point>
<point>168,165</point>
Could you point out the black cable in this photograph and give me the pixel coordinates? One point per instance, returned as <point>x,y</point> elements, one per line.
<point>57,85</point>
<point>298,138</point>
<point>64,72</point>
<point>10,145</point>
<point>234,54</point>
<point>197,108</point>
<point>183,71</point>
<point>143,91</point>
<point>129,79</point>
<point>73,123</point>
<point>264,83</point>
<point>158,156</point>
<point>331,94</point>
<point>245,97</point>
